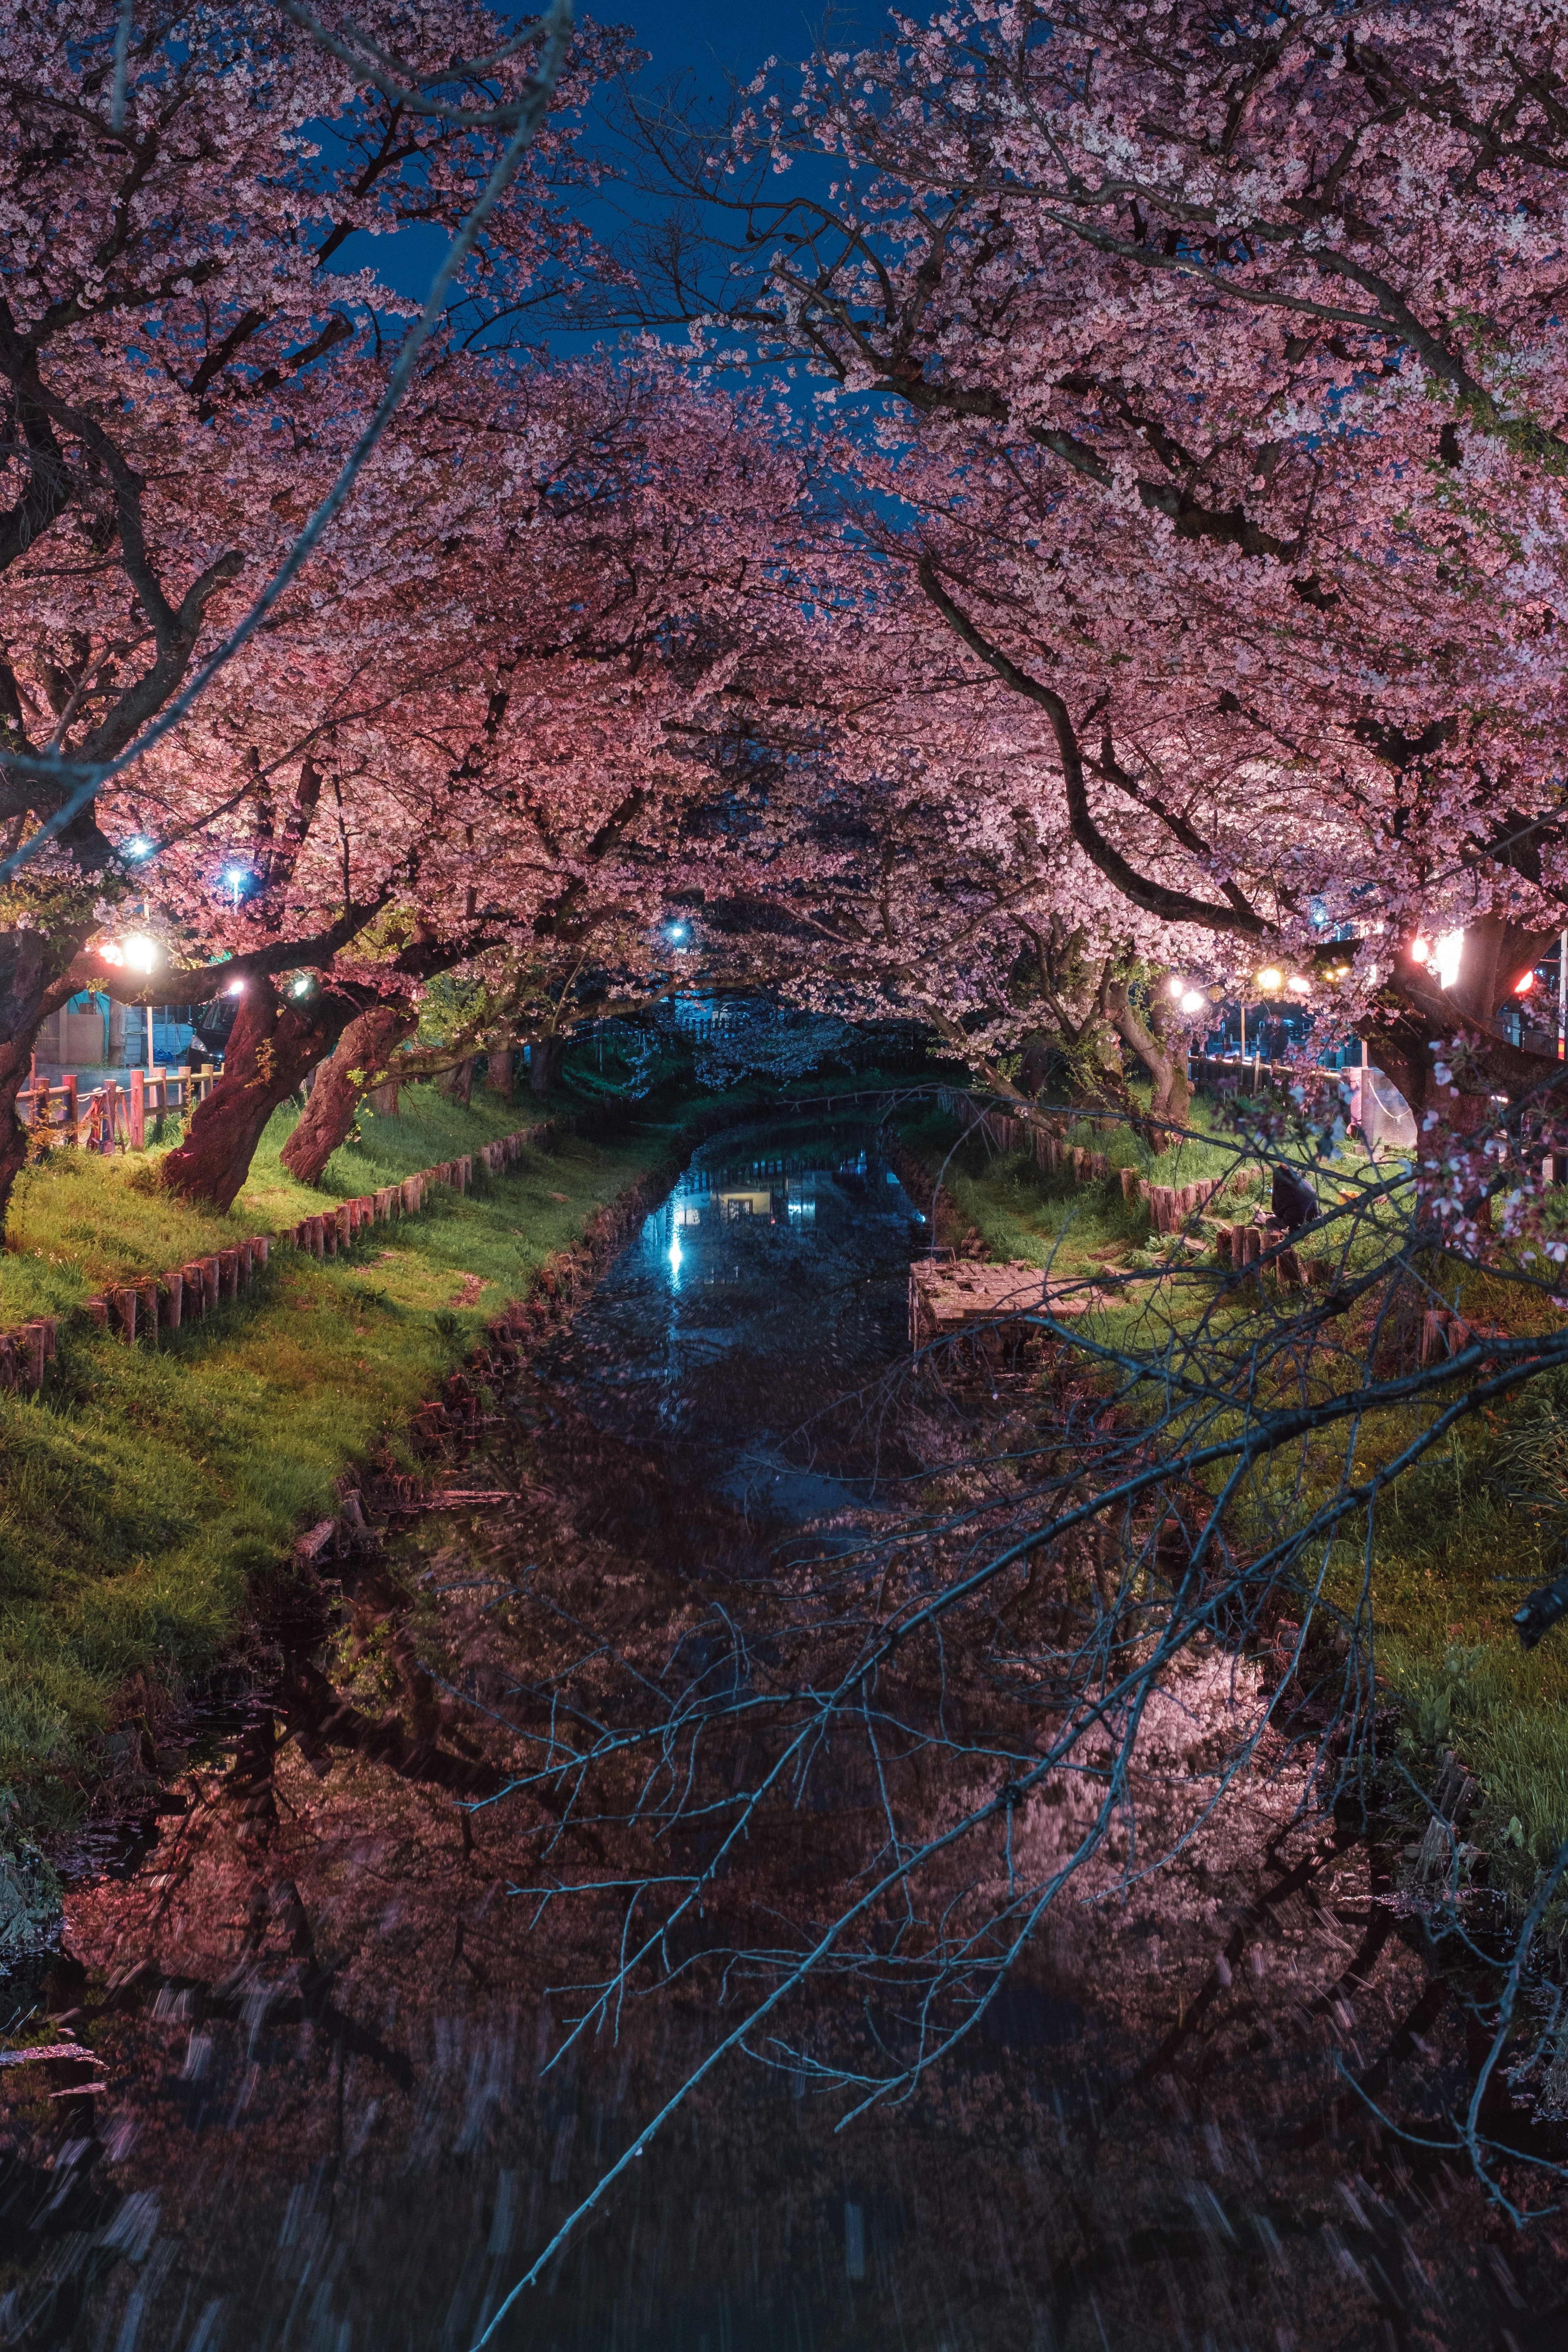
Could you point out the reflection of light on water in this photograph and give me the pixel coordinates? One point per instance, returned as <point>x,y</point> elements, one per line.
<point>675,1261</point>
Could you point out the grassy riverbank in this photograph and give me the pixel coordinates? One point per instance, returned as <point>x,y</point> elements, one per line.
<point>146,1489</point>
<point>1454,1547</point>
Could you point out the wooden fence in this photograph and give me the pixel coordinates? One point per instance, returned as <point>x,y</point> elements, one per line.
<point>104,1117</point>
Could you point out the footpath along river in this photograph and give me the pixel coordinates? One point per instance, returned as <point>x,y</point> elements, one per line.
<point>334,2102</point>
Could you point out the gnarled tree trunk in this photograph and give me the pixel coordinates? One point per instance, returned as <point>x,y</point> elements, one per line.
<point>457,1083</point>
<point>358,1063</point>
<point>545,1057</point>
<point>23,982</point>
<point>35,980</point>
<point>272,1044</point>
<point>1161,1045</point>
<point>497,1077</point>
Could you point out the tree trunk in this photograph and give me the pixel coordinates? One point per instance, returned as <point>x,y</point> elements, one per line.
<point>274,1041</point>
<point>457,1083</point>
<point>498,1075</point>
<point>545,1058</point>
<point>358,1061</point>
<point>1163,1053</point>
<point>384,1100</point>
<point>31,966</point>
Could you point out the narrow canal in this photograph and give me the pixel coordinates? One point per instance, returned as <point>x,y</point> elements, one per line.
<point>530,1822</point>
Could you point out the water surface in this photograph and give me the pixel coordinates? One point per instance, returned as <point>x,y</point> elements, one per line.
<point>337,2105</point>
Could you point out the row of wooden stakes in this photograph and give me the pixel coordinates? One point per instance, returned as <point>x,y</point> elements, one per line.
<point>1244,1245</point>
<point>335,1229</point>
<point>182,1295</point>
<point>185,1293</point>
<point>323,1237</point>
<point>1445,1331</point>
<point>1170,1206</point>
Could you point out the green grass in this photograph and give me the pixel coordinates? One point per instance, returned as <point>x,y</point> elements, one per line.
<point>147,1489</point>
<point>1021,1209</point>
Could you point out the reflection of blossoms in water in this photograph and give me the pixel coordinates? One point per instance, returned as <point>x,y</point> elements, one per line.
<point>336,2017</point>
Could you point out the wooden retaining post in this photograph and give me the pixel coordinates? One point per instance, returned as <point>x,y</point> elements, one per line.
<point>194,1296</point>
<point>260,1250</point>
<point>411,1191</point>
<point>229,1273</point>
<point>343,1225</point>
<point>242,1253</point>
<point>96,1310</point>
<point>1435,1335</point>
<point>36,1342</point>
<point>147,1307</point>
<point>174,1297</point>
<point>123,1302</point>
<point>10,1367</point>
<point>209,1284</point>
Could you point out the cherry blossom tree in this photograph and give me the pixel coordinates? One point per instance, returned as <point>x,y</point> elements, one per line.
<point>502,680</point>
<point>1220,379</point>
<point>188,360</point>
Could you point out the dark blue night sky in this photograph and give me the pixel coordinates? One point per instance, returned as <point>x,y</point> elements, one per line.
<point>699,42</point>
